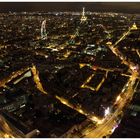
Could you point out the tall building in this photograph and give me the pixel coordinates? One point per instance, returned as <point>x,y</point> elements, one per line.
<point>83,18</point>
<point>43,30</point>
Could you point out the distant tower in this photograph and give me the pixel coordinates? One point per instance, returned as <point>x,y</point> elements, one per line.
<point>43,30</point>
<point>134,26</point>
<point>83,18</point>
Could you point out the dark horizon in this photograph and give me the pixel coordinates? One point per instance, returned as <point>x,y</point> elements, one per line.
<point>125,7</point>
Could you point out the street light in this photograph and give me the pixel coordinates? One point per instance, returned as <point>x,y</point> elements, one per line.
<point>118,98</point>
<point>81,111</point>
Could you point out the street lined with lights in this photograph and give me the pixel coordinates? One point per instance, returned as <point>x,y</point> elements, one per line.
<point>109,122</point>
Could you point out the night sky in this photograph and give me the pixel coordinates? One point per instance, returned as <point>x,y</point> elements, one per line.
<point>127,7</point>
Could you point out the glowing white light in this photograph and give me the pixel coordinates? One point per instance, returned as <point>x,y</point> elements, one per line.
<point>64,102</point>
<point>135,68</point>
<point>81,111</point>
<point>118,98</point>
<point>46,56</point>
<point>114,128</point>
<point>107,111</point>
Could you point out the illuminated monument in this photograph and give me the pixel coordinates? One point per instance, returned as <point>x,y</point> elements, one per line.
<point>83,18</point>
<point>134,26</point>
<point>43,30</point>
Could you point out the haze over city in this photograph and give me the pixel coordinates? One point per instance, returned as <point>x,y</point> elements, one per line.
<point>127,7</point>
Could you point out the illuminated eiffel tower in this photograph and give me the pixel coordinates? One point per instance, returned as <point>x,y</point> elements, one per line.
<point>83,18</point>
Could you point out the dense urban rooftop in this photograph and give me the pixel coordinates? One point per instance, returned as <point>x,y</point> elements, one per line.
<point>69,74</point>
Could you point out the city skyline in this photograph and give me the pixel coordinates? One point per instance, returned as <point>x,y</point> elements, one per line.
<point>70,74</point>
<point>126,7</point>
